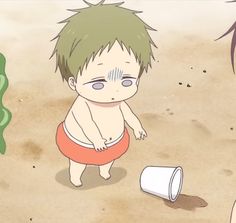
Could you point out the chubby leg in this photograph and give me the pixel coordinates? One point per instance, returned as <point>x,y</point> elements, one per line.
<point>76,171</point>
<point>105,170</point>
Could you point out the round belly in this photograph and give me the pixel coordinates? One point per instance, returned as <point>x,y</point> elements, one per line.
<point>110,129</point>
<point>110,122</point>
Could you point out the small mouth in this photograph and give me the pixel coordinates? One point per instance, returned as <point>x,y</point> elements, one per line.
<point>112,99</point>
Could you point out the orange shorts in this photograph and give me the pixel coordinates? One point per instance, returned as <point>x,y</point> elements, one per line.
<point>85,155</point>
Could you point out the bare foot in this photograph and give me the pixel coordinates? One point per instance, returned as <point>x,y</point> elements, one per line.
<point>76,182</point>
<point>105,170</point>
<point>105,175</point>
<point>76,171</point>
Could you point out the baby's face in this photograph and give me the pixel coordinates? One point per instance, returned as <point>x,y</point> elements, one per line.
<point>110,77</point>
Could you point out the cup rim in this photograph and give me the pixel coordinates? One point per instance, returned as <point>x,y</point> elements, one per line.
<point>178,168</point>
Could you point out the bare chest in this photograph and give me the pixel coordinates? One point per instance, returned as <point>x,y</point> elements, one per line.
<point>105,114</point>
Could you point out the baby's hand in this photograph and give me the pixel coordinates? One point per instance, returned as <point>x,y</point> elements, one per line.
<point>100,145</point>
<point>140,133</point>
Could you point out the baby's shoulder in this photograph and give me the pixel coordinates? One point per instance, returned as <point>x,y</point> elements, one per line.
<point>79,103</point>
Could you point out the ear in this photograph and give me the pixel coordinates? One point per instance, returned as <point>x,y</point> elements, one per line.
<point>72,83</point>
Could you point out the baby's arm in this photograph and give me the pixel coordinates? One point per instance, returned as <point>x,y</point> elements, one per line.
<point>132,121</point>
<point>84,119</point>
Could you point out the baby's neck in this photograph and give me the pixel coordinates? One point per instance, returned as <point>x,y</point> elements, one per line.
<point>101,104</point>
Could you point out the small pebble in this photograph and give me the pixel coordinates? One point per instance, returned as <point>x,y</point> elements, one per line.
<point>33,166</point>
<point>180,83</point>
<point>167,109</point>
<point>231,128</point>
<point>171,113</point>
<point>20,100</point>
<point>204,71</point>
<point>31,219</point>
<point>188,85</point>
<point>191,68</point>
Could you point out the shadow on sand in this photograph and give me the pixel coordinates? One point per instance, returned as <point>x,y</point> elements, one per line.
<point>91,178</point>
<point>186,202</point>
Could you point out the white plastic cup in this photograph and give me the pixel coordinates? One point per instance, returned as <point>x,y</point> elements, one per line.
<point>164,182</point>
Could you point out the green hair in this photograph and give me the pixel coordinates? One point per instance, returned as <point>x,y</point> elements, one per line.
<point>95,27</point>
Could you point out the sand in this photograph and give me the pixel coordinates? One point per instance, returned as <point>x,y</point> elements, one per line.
<point>186,103</point>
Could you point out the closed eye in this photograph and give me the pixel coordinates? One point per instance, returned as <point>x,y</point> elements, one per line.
<point>94,81</point>
<point>128,77</point>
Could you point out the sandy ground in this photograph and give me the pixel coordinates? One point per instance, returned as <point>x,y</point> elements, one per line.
<point>194,127</point>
